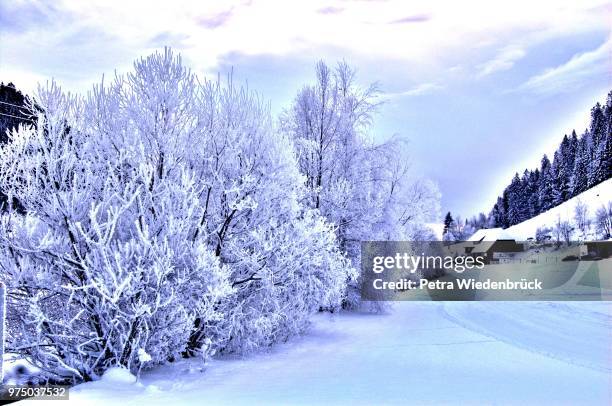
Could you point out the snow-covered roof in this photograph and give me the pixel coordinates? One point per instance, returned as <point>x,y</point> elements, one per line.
<point>490,234</point>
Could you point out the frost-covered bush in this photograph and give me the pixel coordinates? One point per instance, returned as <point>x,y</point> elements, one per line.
<point>360,186</point>
<point>603,221</point>
<point>543,234</point>
<point>255,223</point>
<point>163,218</point>
<point>298,271</point>
<point>103,264</point>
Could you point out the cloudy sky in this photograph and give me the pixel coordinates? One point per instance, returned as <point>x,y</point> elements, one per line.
<point>479,88</point>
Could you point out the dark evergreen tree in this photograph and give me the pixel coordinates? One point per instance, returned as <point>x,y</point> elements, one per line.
<point>546,185</point>
<point>448,222</point>
<point>571,158</point>
<point>557,171</point>
<point>606,161</point>
<point>495,217</point>
<point>13,111</point>
<point>513,198</point>
<point>581,166</point>
<point>505,223</point>
<point>562,168</point>
<point>532,193</point>
<point>597,132</point>
<point>517,200</point>
<point>601,125</point>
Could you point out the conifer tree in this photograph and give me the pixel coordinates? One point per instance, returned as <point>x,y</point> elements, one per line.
<point>602,155</point>
<point>495,216</point>
<point>596,172</point>
<point>448,222</point>
<point>562,166</point>
<point>545,190</point>
<point>581,165</point>
<point>504,209</point>
<point>517,204</point>
<point>531,190</point>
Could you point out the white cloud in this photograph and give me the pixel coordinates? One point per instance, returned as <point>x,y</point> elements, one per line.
<point>434,34</point>
<point>573,73</point>
<point>504,60</point>
<point>420,90</point>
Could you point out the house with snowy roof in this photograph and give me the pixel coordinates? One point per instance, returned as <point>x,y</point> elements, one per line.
<point>491,244</point>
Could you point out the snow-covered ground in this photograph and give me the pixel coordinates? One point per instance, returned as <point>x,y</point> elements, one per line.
<point>545,353</point>
<point>420,352</point>
<point>437,229</point>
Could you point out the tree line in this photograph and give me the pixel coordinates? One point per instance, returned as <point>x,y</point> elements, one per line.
<point>164,215</point>
<point>579,163</point>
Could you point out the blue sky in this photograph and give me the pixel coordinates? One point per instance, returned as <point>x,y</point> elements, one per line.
<point>480,89</point>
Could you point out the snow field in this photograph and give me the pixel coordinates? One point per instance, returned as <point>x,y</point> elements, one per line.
<point>545,353</point>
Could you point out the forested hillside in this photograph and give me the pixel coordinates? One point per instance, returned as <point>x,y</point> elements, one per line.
<point>579,163</point>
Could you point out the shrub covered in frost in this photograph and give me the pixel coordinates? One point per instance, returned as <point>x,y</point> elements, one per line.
<point>164,218</point>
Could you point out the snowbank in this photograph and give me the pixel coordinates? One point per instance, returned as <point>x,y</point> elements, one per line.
<point>119,376</point>
<point>420,353</point>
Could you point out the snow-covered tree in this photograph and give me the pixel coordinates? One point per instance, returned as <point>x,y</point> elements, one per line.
<point>532,189</point>
<point>581,218</point>
<point>13,111</point>
<point>543,234</point>
<point>359,186</point>
<point>252,194</point>
<point>479,222</point>
<point>581,166</point>
<point>596,171</point>
<point>498,216</point>
<point>2,327</point>
<point>603,221</point>
<point>518,203</point>
<point>163,217</point>
<point>562,231</point>
<point>296,269</point>
<point>601,127</point>
<point>101,265</point>
<point>327,121</point>
<point>457,229</point>
<point>421,204</point>
<point>546,187</point>
<point>562,166</point>
<point>408,204</point>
